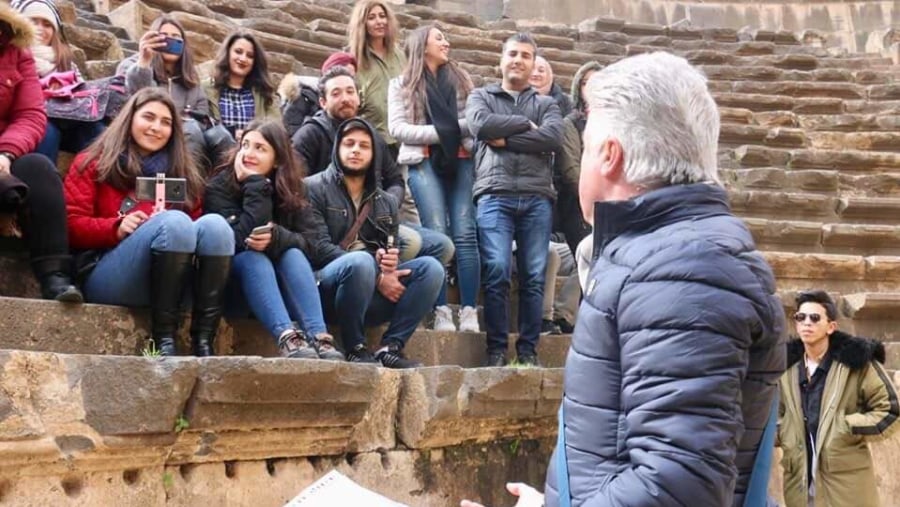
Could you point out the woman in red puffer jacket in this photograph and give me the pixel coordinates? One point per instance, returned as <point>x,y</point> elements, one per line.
<point>29,183</point>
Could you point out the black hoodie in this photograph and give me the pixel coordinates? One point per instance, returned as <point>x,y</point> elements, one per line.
<point>314,142</point>
<point>333,212</point>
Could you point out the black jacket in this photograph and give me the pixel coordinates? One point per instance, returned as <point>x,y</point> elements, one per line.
<point>562,99</point>
<point>251,204</point>
<point>314,142</point>
<point>332,212</point>
<point>525,165</point>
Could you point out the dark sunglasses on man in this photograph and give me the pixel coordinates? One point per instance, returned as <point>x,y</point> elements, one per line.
<point>813,317</point>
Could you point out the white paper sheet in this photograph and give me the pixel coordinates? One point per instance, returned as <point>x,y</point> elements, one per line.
<point>336,489</point>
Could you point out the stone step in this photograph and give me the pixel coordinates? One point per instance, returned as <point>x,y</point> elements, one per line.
<point>784,205</point>
<point>839,273</point>
<point>830,182</point>
<point>870,209</point>
<point>801,236</point>
<point>841,160</point>
<point>779,88</point>
<point>761,103</point>
<point>102,26</point>
<point>771,74</point>
<point>844,122</point>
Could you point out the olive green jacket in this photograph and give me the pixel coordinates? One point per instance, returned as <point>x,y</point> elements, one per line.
<point>262,112</point>
<point>373,89</point>
<point>859,403</point>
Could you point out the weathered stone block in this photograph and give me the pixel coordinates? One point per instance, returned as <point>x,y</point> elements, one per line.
<point>436,402</point>
<point>795,235</point>
<point>816,266</point>
<point>862,238</point>
<point>758,156</point>
<point>871,305</point>
<point>96,44</point>
<point>844,160</point>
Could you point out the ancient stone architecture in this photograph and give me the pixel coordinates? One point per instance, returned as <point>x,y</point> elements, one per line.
<point>809,150</point>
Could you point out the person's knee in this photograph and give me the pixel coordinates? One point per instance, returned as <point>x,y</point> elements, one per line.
<point>36,169</point>
<point>410,243</point>
<point>431,271</point>
<point>359,266</point>
<point>495,267</point>
<point>175,230</point>
<point>214,235</point>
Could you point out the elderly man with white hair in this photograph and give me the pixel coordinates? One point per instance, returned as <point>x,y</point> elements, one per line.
<point>678,347</point>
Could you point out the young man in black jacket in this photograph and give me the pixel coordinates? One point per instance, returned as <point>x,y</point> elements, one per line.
<point>517,132</point>
<point>314,142</point>
<point>361,278</point>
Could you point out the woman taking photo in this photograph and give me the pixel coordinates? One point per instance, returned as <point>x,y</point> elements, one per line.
<point>53,55</point>
<point>42,215</point>
<point>164,59</point>
<point>146,259</point>
<point>427,115</point>
<point>240,89</point>
<point>262,183</point>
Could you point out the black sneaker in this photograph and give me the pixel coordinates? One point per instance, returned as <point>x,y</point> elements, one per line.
<point>361,354</point>
<point>326,348</point>
<point>564,326</point>
<point>549,327</point>
<point>496,360</point>
<point>530,360</point>
<point>392,357</point>
<point>295,345</point>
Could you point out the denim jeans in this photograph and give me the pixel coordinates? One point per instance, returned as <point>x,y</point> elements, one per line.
<point>72,136</point>
<point>437,245</point>
<point>445,206</point>
<point>527,219</point>
<point>122,277</point>
<point>350,299</point>
<point>278,293</point>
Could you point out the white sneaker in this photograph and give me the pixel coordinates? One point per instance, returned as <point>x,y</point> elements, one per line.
<point>443,319</point>
<point>468,320</point>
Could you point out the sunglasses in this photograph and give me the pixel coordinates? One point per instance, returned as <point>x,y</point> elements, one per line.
<point>813,317</point>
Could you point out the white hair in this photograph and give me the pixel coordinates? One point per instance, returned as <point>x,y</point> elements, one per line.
<point>659,109</point>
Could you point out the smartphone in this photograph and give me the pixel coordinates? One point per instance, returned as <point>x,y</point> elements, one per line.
<point>262,229</point>
<point>173,46</point>
<point>176,189</point>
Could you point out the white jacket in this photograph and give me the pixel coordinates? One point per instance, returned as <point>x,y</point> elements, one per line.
<point>415,137</point>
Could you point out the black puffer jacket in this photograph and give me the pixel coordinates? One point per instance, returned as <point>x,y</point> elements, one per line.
<point>675,358</point>
<point>252,203</point>
<point>525,164</point>
<point>332,212</point>
<point>314,142</point>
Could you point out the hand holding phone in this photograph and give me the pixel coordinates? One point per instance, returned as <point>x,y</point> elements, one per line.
<point>260,237</point>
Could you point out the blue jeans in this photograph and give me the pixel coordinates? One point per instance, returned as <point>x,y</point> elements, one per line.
<point>439,246</point>
<point>527,219</point>
<point>122,277</point>
<point>71,136</point>
<point>350,299</point>
<point>449,201</point>
<point>278,293</point>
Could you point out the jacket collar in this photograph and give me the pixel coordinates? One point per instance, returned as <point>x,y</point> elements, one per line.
<point>22,35</point>
<point>852,351</point>
<point>496,89</point>
<point>657,209</point>
<point>373,175</point>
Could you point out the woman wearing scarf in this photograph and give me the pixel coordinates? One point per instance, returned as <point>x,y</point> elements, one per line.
<point>427,115</point>
<point>146,259</point>
<point>53,55</point>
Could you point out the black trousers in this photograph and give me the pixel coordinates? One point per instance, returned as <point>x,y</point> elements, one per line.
<point>43,216</point>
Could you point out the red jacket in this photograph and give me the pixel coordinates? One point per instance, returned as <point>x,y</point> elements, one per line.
<point>93,208</point>
<point>22,114</point>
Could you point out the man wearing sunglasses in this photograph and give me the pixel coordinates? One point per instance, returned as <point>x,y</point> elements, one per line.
<point>834,397</point>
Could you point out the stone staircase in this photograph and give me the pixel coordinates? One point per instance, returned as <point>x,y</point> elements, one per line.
<point>809,154</point>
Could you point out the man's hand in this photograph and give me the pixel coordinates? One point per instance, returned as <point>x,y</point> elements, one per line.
<point>240,170</point>
<point>130,223</point>
<point>497,143</point>
<point>528,496</point>
<point>5,164</point>
<point>387,260</point>
<point>533,125</point>
<point>390,286</point>
<point>259,242</point>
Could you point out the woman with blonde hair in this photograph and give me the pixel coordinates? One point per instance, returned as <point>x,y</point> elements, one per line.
<point>426,111</point>
<point>373,34</point>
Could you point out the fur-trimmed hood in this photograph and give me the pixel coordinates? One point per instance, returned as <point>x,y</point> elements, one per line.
<point>22,35</point>
<point>850,350</point>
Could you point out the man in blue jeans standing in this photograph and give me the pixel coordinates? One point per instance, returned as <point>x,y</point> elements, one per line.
<point>517,131</point>
<point>353,229</point>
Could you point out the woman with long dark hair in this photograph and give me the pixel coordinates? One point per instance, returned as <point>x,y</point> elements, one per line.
<point>241,89</point>
<point>427,115</point>
<point>170,65</point>
<point>259,191</point>
<point>144,258</point>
